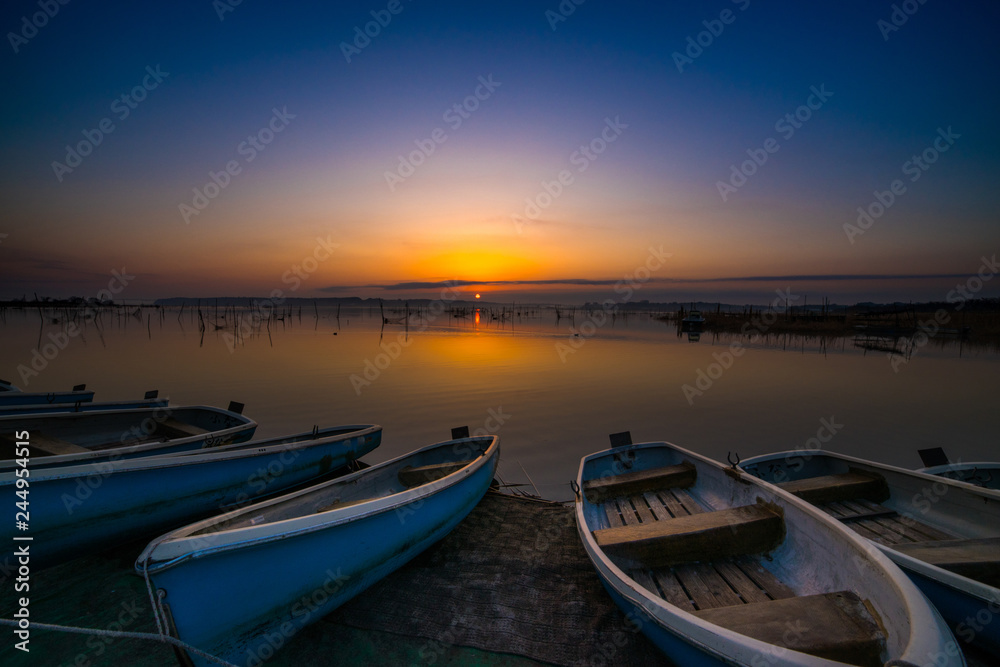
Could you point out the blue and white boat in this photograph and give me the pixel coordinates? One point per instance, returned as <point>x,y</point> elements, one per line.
<point>12,395</point>
<point>944,534</point>
<point>69,438</point>
<point>84,508</point>
<point>719,568</point>
<point>240,585</point>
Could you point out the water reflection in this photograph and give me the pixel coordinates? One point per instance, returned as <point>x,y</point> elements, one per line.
<point>419,371</point>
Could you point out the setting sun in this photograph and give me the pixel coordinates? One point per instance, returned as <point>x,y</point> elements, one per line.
<point>477,295</point>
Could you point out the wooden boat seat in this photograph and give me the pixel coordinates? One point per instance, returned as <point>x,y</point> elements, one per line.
<point>835,488</point>
<point>977,559</point>
<point>630,483</point>
<point>411,476</point>
<point>54,446</point>
<point>835,626</point>
<point>173,428</point>
<point>737,531</point>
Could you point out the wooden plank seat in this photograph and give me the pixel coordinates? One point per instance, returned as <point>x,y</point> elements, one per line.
<point>171,428</point>
<point>632,483</point>
<point>977,559</point>
<point>737,531</point>
<point>411,476</point>
<point>54,446</point>
<point>835,488</point>
<point>836,626</point>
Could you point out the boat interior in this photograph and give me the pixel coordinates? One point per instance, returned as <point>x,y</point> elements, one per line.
<point>421,467</point>
<point>900,518</point>
<point>88,431</point>
<point>711,563</point>
<point>983,475</point>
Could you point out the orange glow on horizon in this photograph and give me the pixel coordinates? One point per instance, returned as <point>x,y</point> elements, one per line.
<point>473,265</point>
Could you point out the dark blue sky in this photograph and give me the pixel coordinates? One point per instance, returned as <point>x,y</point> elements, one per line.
<point>658,183</point>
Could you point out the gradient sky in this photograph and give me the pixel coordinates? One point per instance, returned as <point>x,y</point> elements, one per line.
<point>323,176</point>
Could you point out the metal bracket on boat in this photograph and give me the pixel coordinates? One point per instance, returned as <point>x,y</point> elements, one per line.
<point>315,430</point>
<point>576,488</point>
<point>50,397</point>
<point>730,459</point>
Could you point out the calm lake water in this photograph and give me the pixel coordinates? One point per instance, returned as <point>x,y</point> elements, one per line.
<point>551,396</point>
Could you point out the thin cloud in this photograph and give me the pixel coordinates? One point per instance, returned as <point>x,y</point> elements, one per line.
<point>586,282</point>
<point>830,277</point>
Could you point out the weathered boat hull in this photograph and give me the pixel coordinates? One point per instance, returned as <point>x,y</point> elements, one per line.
<point>303,567</point>
<point>963,510</point>
<point>81,509</point>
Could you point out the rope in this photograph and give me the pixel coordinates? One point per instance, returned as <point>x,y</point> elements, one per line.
<point>152,602</point>
<point>167,639</point>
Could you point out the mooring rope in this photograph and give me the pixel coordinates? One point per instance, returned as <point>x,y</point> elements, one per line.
<point>123,634</point>
<point>152,601</point>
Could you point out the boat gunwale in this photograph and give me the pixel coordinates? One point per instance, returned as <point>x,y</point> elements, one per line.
<point>680,623</point>
<point>69,397</point>
<point>229,539</point>
<point>233,451</point>
<point>977,589</point>
<point>84,406</point>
